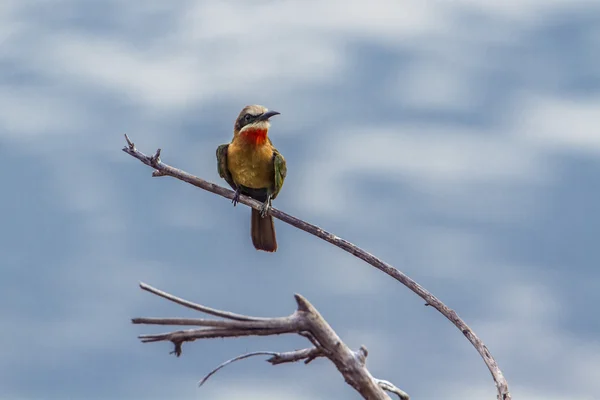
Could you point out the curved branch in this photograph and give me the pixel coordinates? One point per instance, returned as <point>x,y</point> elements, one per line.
<point>167,170</point>
<point>287,357</point>
<point>242,357</point>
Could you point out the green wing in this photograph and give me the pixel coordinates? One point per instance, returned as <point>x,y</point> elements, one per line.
<point>280,172</point>
<point>222,165</point>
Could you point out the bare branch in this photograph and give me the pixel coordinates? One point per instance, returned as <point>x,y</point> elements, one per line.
<point>198,307</point>
<point>430,299</point>
<point>185,321</point>
<point>305,321</point>
<point>192,334</point>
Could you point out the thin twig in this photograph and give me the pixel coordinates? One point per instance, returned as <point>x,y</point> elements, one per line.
<point>184,321</point>
<point>198,307</point>
<point>430,299</point>
<point>243,356</point>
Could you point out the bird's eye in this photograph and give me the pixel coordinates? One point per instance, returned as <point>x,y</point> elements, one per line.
<point>248,117</point>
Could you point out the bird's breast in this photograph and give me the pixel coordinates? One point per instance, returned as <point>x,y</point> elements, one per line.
<point>251,165</point>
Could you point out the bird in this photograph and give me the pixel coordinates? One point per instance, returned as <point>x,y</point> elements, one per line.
<point>252,166</point>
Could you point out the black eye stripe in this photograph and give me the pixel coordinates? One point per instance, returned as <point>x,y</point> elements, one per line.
<point>246,119</point>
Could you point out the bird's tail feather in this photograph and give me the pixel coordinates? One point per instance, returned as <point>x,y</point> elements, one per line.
<point>263,232</point>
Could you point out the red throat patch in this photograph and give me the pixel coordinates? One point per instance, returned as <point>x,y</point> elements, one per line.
<point>255,136</point>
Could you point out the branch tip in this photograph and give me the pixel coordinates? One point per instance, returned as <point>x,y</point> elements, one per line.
<point>129,143</point>
<point>361,355</point>
<point>303,304</point>
<point>363,351</point>
<point>155,159</point>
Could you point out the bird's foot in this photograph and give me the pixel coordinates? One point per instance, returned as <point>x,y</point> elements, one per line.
<point>236,197</point>
<point>264,209</point>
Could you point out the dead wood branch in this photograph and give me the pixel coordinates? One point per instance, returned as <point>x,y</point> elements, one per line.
<point>306,320</point>
<point>162,169</point>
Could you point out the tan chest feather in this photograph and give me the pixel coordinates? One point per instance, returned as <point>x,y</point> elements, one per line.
<point>251,166</point>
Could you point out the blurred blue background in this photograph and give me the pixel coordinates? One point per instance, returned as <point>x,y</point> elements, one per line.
<point>456,140</point>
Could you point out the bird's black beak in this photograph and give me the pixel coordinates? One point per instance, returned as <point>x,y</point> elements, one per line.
<point>267,115</point>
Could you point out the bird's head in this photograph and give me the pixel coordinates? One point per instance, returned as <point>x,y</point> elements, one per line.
<point>253,121</point>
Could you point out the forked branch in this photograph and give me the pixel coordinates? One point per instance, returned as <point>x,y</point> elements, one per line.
<point>305,321</point>
<point>162,169</point>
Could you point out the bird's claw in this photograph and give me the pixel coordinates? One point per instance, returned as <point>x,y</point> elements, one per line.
<point>264,209</point>
<point>236,197</point>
